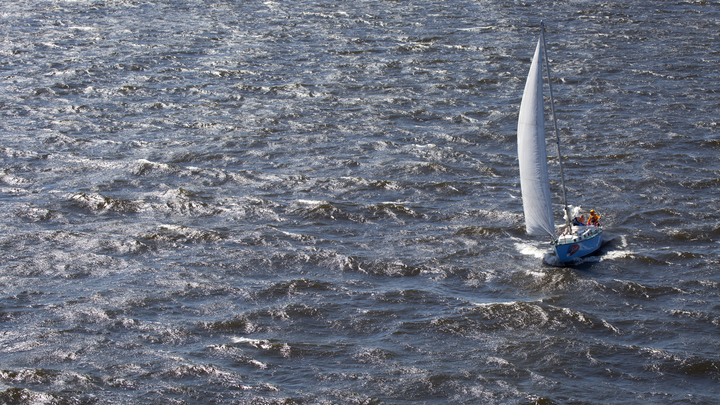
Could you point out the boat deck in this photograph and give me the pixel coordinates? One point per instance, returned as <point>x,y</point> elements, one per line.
<point>578,234</point>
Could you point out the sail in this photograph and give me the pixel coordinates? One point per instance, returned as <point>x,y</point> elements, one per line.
<point>532,155</point>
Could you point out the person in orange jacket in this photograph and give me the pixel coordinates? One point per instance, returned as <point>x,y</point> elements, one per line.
<point>594,218</point>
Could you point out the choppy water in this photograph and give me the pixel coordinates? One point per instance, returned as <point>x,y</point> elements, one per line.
<point>315,203</point>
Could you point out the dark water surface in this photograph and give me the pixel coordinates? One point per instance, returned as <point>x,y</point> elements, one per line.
<point>318,203</point>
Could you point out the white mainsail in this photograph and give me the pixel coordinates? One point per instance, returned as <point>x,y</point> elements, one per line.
<point>532,155</point>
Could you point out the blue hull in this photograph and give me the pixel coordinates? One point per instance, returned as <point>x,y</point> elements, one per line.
<point>576,249</point>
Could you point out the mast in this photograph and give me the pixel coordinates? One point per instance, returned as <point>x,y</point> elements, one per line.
<point>557,135</point>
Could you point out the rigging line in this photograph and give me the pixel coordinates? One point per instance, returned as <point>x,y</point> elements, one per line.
<point>557,135</point>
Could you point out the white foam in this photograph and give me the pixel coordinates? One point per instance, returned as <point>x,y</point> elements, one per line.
<point>528,249</point>
<point>311,202</point>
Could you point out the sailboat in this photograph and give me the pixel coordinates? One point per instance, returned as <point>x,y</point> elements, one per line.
<point>570,241</point>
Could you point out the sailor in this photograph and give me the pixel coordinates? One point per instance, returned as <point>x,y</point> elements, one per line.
<point>579,221</point>
<point>594,218</point>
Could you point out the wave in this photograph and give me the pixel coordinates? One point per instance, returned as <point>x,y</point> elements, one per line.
<point>394,210</point>
<point>482,231</point>
<point>357,213</point>
<point>35,214</point>
<point>180,234</point>
<point>42,377</point>
<point>518,316</point>
<point>662,362</point>
<point>97,202</point>
<point>143,167</point>
<point>386,267</point>
<point>185,202</point>
<point>326,210</point>
<point>288,288</point>
<point>630,289</point>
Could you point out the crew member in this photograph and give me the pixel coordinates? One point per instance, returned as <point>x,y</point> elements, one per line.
<point>594,218</point>
<point>579,221</point>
